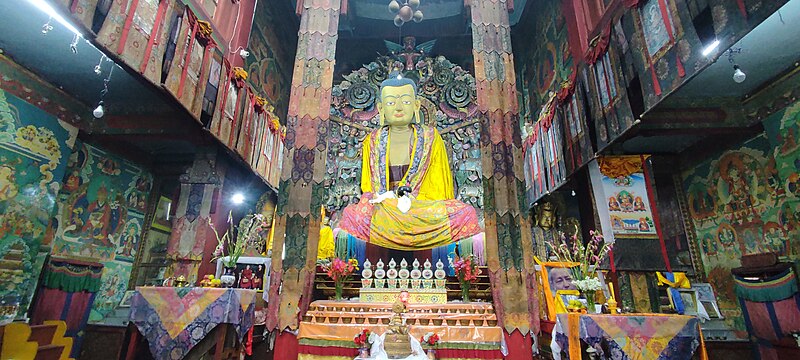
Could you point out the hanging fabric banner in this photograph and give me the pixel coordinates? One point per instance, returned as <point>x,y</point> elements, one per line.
<point>626,198</point>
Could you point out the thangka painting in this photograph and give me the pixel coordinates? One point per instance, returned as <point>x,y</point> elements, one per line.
<point>34,147</point>
<point>448,97</point>
<point>101,206</point>
<point>747,201</point>
<point>625,190</point>
<point>628,206</point>
<point>658,26</point>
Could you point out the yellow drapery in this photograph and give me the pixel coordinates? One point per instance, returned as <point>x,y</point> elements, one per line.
<point>437,184</point>
<point>616,166</point>
<point>326,248</point>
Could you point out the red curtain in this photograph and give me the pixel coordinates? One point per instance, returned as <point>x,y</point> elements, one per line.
<point>286,346</point>
<point>519,346</point>
<point>72,308</point>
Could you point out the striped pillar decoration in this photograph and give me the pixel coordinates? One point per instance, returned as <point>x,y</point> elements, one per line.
<point>298,220</point>
<point>508,243</point>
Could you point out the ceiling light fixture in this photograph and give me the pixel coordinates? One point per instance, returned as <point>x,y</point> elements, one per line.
<point>99,111</point>
<point>238,198</point>
<point>406,12</point>
<point>50,11</point>
<point>738,75</point>
<point>711,47</point>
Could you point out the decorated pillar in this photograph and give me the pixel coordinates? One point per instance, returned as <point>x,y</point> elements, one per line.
<point>509,248</point>
<point>190,228</point>
<point>301,193</point>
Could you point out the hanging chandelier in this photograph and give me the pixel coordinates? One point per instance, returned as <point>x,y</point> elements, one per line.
<point>409,10</point>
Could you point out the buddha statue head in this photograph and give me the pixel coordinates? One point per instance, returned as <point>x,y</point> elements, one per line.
<point>398,105</point>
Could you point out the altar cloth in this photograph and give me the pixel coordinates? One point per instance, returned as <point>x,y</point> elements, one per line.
<point>174,320</point>
<point>634,336</point>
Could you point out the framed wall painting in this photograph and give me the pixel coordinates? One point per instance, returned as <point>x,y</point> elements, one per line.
<point>161,219</point>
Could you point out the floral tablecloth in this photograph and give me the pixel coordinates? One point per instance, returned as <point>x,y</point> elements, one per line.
<point>174,320</point>
<point>635,336</point>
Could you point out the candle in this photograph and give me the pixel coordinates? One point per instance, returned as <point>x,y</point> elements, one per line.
<point>611,290</point>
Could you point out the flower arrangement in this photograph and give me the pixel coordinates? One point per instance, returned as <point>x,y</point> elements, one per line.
<point>339,271</point>
<point>430,339</point>
<point>467,271</point>
<point>283,133</point>
<point>587,256</point>
<point>363,338</point>
<point>232,244</point>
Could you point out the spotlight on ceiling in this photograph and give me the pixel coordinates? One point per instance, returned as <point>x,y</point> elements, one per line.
<point>738,75</point>
<point>710,48</point>
<point>237,198</point>
<point>51,12</point>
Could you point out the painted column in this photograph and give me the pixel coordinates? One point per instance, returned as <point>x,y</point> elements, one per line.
<point>301,193</point>
<point>190,228</point>
<point>509,248</point>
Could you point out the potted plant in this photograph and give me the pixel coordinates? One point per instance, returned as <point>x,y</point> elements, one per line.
<point>429,341</point>
<point>588,256</point>
<point>339,271</point>
<point>231,245</point>
<point>467,271</point>
<point>363,341</point>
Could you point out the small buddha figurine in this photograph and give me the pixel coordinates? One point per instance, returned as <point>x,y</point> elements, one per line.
<point>396,342</point>
<point>408,200</point>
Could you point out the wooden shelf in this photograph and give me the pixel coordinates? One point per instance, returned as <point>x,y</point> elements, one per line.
<point>324,287</point>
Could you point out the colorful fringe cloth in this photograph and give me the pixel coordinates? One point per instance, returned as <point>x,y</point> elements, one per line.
<point>72,277</point>
<point>775,288</point>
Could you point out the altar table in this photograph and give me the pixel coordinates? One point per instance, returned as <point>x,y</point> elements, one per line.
<point>174,320</point>
<point>466,330</point>
<point>630,336</point>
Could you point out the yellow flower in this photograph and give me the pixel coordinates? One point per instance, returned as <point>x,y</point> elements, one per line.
<point>239,73</point>
<point>260,101</point>
<point>204,28</point>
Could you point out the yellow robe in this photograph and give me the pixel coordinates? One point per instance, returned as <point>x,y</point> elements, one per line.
<point>435,219</point>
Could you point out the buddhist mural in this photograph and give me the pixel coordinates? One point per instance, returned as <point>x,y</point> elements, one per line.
<point>447,93</point>
<point>551,62</point>
<point>747,201</point>
<point>269,64</point>
<point>34,146</point>
<point>100,218</point>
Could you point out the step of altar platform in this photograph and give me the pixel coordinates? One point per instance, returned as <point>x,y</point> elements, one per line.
<point>324,287</point>
<point>478,314</point>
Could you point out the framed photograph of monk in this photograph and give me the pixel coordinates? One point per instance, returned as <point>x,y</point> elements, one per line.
<point>555,277</point>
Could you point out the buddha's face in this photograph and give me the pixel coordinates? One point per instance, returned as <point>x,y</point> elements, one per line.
<point>398,105</point>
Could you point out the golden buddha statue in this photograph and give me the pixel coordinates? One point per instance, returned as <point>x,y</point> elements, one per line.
<point>408,200</point>
<point>396,343</point>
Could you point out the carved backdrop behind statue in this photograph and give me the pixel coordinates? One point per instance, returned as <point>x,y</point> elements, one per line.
<point>448,100</point>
